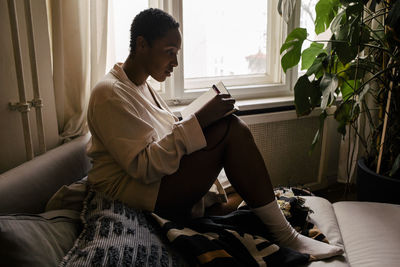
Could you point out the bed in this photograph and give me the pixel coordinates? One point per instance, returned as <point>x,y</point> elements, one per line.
<point>31,236</point>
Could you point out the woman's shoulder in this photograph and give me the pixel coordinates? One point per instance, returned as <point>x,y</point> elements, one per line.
<point>108,87</point>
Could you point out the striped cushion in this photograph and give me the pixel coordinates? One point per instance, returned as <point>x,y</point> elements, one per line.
<point>116,235</point>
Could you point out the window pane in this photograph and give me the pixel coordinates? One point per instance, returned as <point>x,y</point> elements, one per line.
<point>307,19</point>
<point>224,37</point>
<point>123,12</point>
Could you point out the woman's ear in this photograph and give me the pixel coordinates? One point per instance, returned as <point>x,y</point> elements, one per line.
<point>141,43</point>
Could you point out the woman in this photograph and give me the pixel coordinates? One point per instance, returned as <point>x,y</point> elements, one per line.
<point>145,157</point>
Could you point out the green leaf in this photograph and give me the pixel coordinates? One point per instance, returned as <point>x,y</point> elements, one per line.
<point>301,96</point>
<point>347,89</point>
<point>317,66</point>
<point>361,67</point>
<point>343,115</point>
<point>337,22</point>
<point>345,51</point>
<point>292,46</point>
<point>328,85</point>
<point>317,136</point>
<point>325,11</point>
<point>355,9</point>
<point>365,34</point>
<point>396,166</point>
<point>393,18</point>
<point>347,112</point>
<point>314,142</point>
<point>314,93</point>
<point>308,56</point>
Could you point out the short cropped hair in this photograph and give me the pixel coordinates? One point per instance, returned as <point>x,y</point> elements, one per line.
<point>152,24</point>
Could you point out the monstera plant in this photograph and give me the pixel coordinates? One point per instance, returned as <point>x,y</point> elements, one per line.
<point>356,69</point>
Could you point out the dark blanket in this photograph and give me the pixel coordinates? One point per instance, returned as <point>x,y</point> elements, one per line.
<point>240,238</point>
<point>116,235</point>
<point>237,239</point>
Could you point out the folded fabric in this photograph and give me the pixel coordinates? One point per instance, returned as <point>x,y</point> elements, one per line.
<point>117,235</point>
<point>236,239</point>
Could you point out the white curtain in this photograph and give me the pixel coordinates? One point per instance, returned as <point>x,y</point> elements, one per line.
<point>79,49</point>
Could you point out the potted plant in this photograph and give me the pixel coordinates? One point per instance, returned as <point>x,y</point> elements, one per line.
<point>358,70</point>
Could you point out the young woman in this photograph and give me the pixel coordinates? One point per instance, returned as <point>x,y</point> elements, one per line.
<point>145,157</point>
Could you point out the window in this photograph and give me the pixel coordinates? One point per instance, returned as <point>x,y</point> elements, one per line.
<point>234,41</point>
<point>307,19</point>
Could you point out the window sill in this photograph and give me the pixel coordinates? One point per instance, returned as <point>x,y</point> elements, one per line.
<point>248,105</point>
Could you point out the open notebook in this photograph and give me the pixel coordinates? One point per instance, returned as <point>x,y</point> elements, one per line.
<point>219,88</point>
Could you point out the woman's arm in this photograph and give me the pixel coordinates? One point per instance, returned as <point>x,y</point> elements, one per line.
<point>133,143</point>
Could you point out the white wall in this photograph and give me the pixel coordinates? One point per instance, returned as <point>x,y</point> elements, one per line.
<point>12,152</point>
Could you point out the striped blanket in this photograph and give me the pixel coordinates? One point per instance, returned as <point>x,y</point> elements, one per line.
<point>240,238</point>
<point>116,235</point>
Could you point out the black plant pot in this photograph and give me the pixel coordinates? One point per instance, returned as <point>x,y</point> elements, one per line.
<point>374,187</point>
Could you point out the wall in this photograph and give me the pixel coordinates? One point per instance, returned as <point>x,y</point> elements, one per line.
<point>12,152</point>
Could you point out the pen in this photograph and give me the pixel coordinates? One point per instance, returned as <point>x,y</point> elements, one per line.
<point>216,89</point>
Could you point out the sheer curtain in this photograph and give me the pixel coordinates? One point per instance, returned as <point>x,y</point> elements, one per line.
<point>78,32</point>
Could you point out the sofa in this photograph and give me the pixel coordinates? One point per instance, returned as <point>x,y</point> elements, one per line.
<point>368,232</point>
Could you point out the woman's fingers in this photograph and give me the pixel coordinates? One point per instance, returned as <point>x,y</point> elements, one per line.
<point>215,109</point>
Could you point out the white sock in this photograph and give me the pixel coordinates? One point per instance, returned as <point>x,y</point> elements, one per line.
<point>285,235</point>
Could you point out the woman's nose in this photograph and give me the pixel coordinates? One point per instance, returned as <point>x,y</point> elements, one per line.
<point>174,62</point>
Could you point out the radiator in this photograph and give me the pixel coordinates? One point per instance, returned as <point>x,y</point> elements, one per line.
<point>285,141</point>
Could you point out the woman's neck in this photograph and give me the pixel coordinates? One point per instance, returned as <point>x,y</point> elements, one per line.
<point>134,70</point>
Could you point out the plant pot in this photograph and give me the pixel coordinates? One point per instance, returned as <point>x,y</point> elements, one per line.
<point>374,187</point>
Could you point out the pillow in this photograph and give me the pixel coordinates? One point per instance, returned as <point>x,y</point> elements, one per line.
<point>117,235</point>
<point>69,197</point>
<point>37,240</point>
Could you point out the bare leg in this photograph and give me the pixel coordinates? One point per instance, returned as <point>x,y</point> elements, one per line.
<point>230,145</point>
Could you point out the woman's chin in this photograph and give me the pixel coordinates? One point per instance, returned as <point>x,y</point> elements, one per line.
<point>160,78</point>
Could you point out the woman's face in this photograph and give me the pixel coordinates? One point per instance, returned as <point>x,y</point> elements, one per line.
<point>161,56</point>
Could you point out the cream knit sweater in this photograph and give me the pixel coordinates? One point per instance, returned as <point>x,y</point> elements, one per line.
<point>135,143</point>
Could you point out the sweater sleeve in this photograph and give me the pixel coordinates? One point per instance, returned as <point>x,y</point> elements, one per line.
<point>133,144</point>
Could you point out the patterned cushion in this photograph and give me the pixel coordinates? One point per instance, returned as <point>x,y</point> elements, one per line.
<point>37,240</point>
<point>116,235</point>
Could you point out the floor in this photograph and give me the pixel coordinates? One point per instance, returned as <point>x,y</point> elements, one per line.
<point>338,192</point>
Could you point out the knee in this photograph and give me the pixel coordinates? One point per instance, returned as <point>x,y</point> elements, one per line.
<point>239,129</point>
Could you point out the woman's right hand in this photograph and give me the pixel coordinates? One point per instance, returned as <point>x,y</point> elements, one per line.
<point>215,109</point>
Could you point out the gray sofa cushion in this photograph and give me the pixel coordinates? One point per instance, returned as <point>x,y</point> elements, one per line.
<point>370,233</point>
<point>37,240</point>
<point>323,216</point>
<point>28,187</point>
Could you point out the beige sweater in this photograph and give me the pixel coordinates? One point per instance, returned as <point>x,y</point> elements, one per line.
<point>134,143</point>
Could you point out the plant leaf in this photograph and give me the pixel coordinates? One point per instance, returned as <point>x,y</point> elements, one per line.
<point>317,136</point>
<point>343,115</point>
<point>325,11</point>
<point>347,89</point>
<point>301,96</point>
<point>393,18</point>
<point>308,56</point>
<point>337,21</point>
<point>328,85</point>
<point>317,66</point>
<point>292,46</point>
<point>396,166</point>
<point>314,93</point>
<point>344,50</point>
<point>314,142</point>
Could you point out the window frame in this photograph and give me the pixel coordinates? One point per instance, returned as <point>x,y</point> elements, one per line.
<point>175,93</point>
